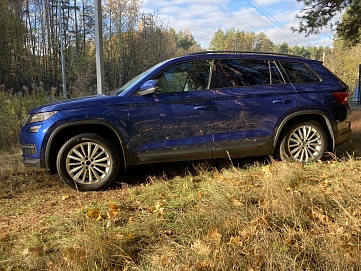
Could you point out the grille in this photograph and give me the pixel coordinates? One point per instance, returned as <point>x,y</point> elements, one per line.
<point>28,148</point>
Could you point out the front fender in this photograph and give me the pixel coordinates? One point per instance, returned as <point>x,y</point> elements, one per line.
<point>119,130</point>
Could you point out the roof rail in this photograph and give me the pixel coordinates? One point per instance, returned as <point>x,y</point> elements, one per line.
<point>245,52</point>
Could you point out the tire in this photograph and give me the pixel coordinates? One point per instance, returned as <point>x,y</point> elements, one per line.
<point>304,142</point>
<point>88,162</point>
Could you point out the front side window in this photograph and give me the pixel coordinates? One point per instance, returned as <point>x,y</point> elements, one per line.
<point>186,76</point>
<point>136,79</point>
<point>247,72</point>
<point>299,72</point>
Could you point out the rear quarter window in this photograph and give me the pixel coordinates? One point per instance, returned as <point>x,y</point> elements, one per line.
<point>299,72</point>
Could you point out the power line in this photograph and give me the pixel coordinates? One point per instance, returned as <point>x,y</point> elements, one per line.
<point>238,18</point>
<point>274,20</point>
<point>302,42</point>
<point>189,29</point>
<point>263,12</point>
<point>235,16</point>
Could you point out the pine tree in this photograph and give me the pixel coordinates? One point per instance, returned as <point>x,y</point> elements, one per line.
<point>317,14</point>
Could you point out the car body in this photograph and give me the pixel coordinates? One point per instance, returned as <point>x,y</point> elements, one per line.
<point>198,106</point>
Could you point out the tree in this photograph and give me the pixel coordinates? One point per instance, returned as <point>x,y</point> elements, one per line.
<point>300,51</point>
<point>12,31</point>
<point>263,43</point>
<point>185,39</point>
<point>317,14</point>
<point>217,42</point>
<point>230,43</point>
<point>344,62</point>
<point>350,27</point>
<point>282,48</point>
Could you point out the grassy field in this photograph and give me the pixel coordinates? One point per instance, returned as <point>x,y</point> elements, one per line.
<point>215,215</point>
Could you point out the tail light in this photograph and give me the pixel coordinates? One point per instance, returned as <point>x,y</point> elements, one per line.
<point>341,97</point>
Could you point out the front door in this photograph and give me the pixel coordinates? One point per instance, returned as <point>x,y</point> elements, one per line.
<point>177,122</point>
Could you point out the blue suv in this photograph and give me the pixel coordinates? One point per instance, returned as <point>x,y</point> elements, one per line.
<point>198,106</point>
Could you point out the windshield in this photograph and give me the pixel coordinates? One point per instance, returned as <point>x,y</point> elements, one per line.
<point>136,79</point>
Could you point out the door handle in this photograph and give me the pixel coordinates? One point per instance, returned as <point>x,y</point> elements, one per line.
<point>204,107</point>
<point>282,101</point>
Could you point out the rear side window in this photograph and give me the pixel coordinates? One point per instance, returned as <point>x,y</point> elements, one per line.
<point>246,72</point>
<point>299,72</point>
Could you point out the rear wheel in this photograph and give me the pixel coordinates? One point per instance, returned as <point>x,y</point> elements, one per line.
<point>304,142</point>
<point>88,162</point>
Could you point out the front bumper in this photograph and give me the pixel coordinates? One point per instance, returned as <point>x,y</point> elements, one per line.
<point>39,163</point>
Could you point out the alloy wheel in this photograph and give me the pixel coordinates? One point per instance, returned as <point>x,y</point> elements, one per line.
<point>305,143</point>
<point>88,163</point>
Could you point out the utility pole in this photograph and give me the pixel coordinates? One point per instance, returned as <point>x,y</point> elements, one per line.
<point>359,85</point>
<point>61,34</point>
<point>99,46</point>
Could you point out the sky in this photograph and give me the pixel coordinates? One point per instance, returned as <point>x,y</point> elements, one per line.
<point>204,17</point>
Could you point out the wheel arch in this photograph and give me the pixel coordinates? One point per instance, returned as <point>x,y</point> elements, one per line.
<point>292,119</point>
<point>68,130</point>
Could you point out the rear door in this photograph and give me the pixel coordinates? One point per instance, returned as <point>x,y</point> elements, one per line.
<point>251,99</point>
<point>312,91</point>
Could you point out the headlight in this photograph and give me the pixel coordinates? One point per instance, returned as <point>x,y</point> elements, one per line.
<point>38,117</point>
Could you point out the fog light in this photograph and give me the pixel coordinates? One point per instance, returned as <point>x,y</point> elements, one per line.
<point>34,129</point>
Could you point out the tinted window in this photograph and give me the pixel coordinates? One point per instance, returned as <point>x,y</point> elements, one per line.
<point>186,76</point>
<point>299,72</point>
<point>277,77</point>
<point>247,72</point>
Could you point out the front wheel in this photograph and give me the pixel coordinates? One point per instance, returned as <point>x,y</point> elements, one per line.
<point>88,162</point>
<point>304,142</point>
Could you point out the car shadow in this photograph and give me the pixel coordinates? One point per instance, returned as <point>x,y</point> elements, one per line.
<point>137,175</point>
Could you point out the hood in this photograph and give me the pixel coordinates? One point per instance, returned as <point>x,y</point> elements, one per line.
<point>84,102</point>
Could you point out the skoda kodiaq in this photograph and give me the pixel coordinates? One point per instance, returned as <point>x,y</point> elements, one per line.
<point>198,106</point>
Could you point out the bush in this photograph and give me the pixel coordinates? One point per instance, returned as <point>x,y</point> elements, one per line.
<point>13,109</point>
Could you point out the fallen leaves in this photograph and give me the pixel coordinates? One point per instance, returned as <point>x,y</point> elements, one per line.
<point>156,208</point>
<point>267,171</point>
<point>94,214</point>
<point>112,214</point>
<point>215,235</point>
<point>318,216</point>
<point>73,255</point>
<point>97,215</point>
<point>205,265</point>
<point>33,251</point>
<point>236,240</point>
<point>65,197</point>
<point>114,210</point>
<point>113,206</point>
<point>201,248</point>
<point>237,203</point>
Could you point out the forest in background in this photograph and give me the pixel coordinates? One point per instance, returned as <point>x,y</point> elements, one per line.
<point>133,41</point>
<point>341,59</point>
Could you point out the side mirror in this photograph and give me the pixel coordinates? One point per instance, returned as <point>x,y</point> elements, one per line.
<point>149,87</point>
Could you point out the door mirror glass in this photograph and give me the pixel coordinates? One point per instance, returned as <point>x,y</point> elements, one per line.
<point>149,87</point>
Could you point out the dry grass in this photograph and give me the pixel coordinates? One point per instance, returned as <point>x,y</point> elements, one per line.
<point>353,146</point>
<point>201,216</point>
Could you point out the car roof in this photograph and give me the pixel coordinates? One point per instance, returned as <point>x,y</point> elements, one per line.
<point>250,55</point>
